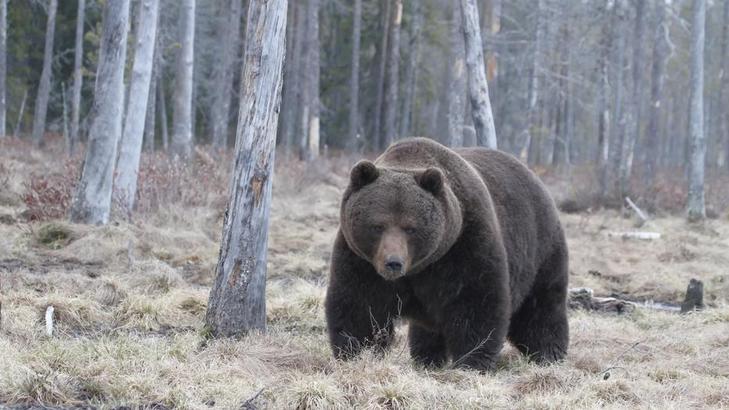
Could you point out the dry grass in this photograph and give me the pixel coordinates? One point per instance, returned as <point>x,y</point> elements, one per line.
<point>130,299</point>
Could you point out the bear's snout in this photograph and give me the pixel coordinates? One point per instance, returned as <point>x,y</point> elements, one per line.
<point>392,259</point>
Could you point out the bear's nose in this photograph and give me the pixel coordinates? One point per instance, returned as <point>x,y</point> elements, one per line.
<point>394,264</point>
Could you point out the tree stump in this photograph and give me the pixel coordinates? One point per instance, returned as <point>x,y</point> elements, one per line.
<point>694,296</point>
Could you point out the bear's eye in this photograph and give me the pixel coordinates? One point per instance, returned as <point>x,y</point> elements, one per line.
<point>410,230</point>
<point>376,228</point>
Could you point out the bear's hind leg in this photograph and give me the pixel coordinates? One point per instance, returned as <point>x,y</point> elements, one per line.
<point>539,329</point>
<point>427,348</point>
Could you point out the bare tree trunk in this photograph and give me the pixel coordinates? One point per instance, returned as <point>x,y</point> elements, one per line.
<point>603,107</point>
<point>411,72</point>
<point>392,84</point>
<point>21,111</point>
<point>229,54</point>
<point>237,300</point>
<point>313,80</point>
<point>483,118</point>
<point>721,118</point>
<point>163,114</point>
<point>150,119</point>
<point>182,94</point>
<point>44,87</point>
<point>632,131</point>
<point>3,64</point>
<point>534,83</point>
<point>78,58</point>
<point>696,206</point>
<point>130,148</point>
<point>293,93</point>
<point>660,52</point>
<point>92,201</point>
<point>354,79</point>
<point>377,134</point>
<point>618,122</point>
<point>456,93</point>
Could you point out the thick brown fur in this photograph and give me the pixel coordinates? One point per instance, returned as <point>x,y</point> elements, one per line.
<point>466,244</point>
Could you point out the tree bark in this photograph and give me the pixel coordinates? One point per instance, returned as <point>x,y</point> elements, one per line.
<point>182,94</point>
<point>293,92</point>
<point>354,78</point>
<point>411,71</point>
<point>632,131</point>
<point>21,111</point>
<point>78,79</point>
<point>313,81</point>
<point>603,107</point>
<point>223,71</point>
<point>237,299</point>
<point>92,201</point>
<point>150,119</point>
<point>163,114</point>
<point>483,118</point>
<point>392,84</point>
<point>44,86</point>
<point>3,65</point>
<point>456,93</point>
<point>696,206</point>
<point>660,52</point>
<point>377,133</point>
<point>534,83</point>
<point>618,122</point>
<point>721,118</point>
<point>130,148</point>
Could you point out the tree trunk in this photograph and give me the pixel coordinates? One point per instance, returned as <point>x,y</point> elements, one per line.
<point>456,92</point>
<point>483,118</point>
<point>313,81</point>
<point>130,148</point>
<point>392,84</point>
<point>163,114</point>
<point>223,71</point>
<point>3,64</point>
<point>696,206</point>
<point>632,131</point>
<point>532,116</point>
<point>721,119</point>
<point>92,201</point>
<point>354,78</point>
<point>78,79</point>
<point>411,72</point>
<point>150,119</point>
<point>182,94</point>
<point>618,121</point>
<point>44,86</point>
<point>660,52</point>
<point>21,111</point>
<point>603,107</point>
<point>237,299</point>
<point>293,94</point>
<point>377,132</point>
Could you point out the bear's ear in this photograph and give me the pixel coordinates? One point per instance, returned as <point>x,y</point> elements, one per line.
<point>363,173</point>
<point>431,180</point>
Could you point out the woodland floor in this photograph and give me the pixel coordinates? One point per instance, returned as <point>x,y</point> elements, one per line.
<point>130,299</point>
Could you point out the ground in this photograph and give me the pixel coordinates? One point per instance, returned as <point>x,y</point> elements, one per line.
<point>130,299</point>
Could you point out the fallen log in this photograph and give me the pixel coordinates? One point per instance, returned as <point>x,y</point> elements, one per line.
<point>584,298</point>
<point>647,236</point>
<point>642,217</point>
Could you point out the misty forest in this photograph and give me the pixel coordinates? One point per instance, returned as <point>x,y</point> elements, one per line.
<point>174,173</point>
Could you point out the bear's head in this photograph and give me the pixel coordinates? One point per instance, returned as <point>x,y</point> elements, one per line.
<point>400,221</point>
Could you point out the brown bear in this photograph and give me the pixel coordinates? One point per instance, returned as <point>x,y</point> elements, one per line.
<point>465,244</point>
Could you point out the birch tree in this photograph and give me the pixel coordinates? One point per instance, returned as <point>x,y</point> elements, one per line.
<point>411,71</point>
<point>44,86</point>
<point>92,201</point>
<point>393,71</point>
<point>182,94</point>
<point>354,78</point>
<point>130,148</point>
<point>237,299</point>
<point>696,206</point>
<point>3,64</point>
<point>658,66</point>
<point>78,79</point>
<point>478,90</point>
<point>229,54</point>
<point>455,97</point>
